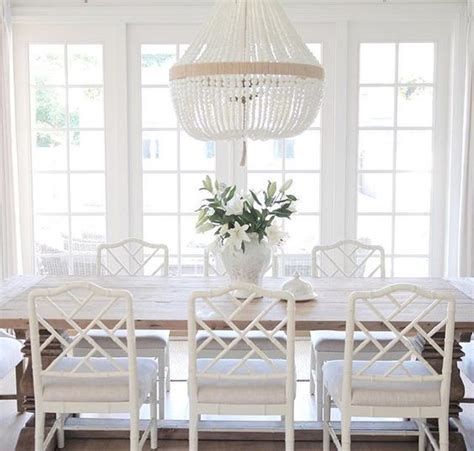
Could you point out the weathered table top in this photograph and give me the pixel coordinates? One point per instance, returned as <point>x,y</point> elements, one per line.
<point>161,303</point>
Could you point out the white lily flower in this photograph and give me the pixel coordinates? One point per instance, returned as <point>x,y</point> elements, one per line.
<point>275,235</point>
<point>286,185</point>
<point>237,236</point>
<point>205,227</point>
<point>235,206</point>
<point>292,207</point>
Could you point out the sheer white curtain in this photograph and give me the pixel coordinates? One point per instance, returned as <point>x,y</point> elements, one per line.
<point>8,236</point>
<point>467,212</point>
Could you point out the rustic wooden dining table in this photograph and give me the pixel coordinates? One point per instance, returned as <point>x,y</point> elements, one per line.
<point>161,303</point>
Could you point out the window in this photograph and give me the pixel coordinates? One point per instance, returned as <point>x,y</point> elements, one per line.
<point>67,154</point>
<point>394,155</point>
<point>173,165</point>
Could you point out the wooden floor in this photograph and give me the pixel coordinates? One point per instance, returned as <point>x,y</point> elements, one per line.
<point>11,424</point>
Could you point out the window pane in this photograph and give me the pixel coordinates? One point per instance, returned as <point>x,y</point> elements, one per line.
<point>157,108</point>
<point>162,229</point>
<point>376,107</point>
<point>197,155</point>
<point>413,193</point>
<point>191,197</point>
<point>258,181</point>
<point>375,193</point>
<point>265,155</point>
<point>47,64</point>
<point>411,267</point>
<point>87,150</point>
<point>192,242</point>
<point>156,63</point>
<point>375,149</point>
<point>377,63</point>
<point>303,151</point>
<point>87,233</point>
<point>306,188</point>
<point>375,230</point>
<point>160,193</point>
<point>415,106</point>
<point>87,193</point>
<point>49,151</point>
<point>50,193</point>
<point>84,64</point>
<point>51,244</point>
<point>49,107</point>
<point>303,234</point>
<point>414,151</point>
<point>412,234</point>
<point>416,62</point>
<point>160,150</point>
<point>86,107</point>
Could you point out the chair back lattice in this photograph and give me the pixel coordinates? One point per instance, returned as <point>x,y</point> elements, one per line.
<point>412,315</point>
<point>348,258</point>
<point>224,306</point>
<point>132,257</point>
<point>213,267</point>
<point>70,305</point>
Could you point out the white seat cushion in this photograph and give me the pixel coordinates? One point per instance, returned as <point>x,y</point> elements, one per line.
<point>10,355</point>
<point>257,337</point>
<point>381,393</point>
<point>146,340</point>
<point>467,362</point>
<point>334,341</point>
<point>98,389</point>
<point>247,391</point>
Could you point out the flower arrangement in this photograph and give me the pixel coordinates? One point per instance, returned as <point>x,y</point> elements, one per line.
<point>235,216</point>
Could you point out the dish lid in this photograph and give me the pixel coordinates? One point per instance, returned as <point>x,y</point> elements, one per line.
<point>298,287</point>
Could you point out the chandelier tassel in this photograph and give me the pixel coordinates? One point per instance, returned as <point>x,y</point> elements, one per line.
<point>243,159</point>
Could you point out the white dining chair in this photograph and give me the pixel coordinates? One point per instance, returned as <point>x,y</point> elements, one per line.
<point>348,258</point>
<point>11,358</point>
<point>254,384</point>
<point>88,384</point>
<point>134,257</point>
<point>409,387</point>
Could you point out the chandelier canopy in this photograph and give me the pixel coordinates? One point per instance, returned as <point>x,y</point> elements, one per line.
<point>247,75</point>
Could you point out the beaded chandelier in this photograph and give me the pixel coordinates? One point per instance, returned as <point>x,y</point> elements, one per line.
<point>247,75</point>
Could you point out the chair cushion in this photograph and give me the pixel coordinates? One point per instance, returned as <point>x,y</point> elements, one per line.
<point>10,355</point>
<point>227,336</point>
<point>145,340</point>
<point>246,391</point>
<point>98,389</point>
<point>334,341</point>
<point>381,393</point>
<point>467,362</point>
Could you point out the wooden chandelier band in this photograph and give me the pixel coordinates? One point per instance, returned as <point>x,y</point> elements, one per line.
<point>256,68</point>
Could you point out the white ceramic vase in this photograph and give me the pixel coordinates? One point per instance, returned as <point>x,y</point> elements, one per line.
<point>249,266</point>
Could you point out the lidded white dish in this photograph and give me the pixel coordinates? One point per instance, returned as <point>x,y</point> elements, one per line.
<point>301,290</point>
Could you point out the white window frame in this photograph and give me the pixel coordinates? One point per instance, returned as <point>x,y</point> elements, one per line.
<point>406,32</point>
<point>116,207</point>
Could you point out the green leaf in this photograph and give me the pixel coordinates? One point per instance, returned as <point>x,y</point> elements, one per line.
<point>255,198</point>
<point>272,187</point>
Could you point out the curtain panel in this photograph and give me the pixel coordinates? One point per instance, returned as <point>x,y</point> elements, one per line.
<point>8,236</point>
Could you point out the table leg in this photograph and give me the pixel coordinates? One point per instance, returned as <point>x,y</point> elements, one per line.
<point>26,439</point>
<point>456,439</point>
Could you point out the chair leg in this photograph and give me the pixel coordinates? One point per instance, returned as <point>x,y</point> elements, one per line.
<point>134,427</point>
<point>311,370</point>
<point>443,426</point>
<point>60,434</point>
<point>345,431</point>
<point>19,369</point>
<point>193,427</point>
<point>168,369</point>
<point>326,421</point>
<point>319,388</point>
<point>39,430</point>
<point>289,428</point>
<point>153,414</point>
<point>422,436</point>
<point>161,384</point>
